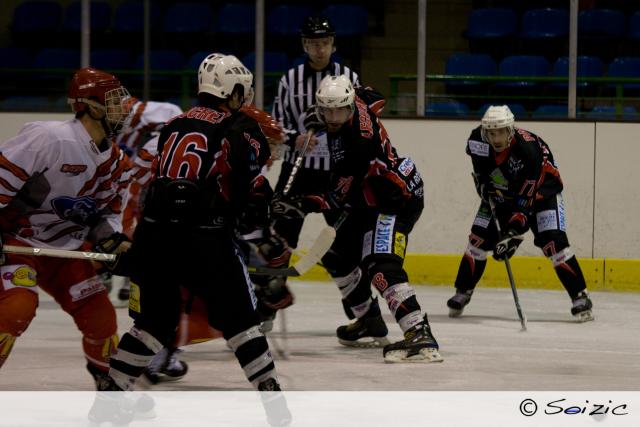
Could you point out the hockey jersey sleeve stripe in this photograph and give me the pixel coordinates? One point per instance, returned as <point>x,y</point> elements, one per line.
<point>16,170</point>
<point>63,232</point>
<point>8,186</point>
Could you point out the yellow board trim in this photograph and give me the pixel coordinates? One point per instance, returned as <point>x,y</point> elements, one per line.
<point>529,272</point>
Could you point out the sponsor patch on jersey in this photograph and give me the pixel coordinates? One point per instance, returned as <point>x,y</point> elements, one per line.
<point>73,169</point>
<point>366,244</point>
<point>400,244</point>
<point>498,179</point>
<point>86,288</point>
<point>134,298</point>
<point>383,241</point>
<point>479,148</point>
<point>547,220</point>
<point>406,167</point>
<point>78,210</point>
<point>19,276</point>
<point>561,216</point>
<point>481,221</point>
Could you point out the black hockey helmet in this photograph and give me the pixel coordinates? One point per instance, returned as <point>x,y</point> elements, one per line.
<point>316,27</point>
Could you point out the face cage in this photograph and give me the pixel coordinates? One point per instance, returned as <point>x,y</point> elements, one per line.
<point>117,107</point>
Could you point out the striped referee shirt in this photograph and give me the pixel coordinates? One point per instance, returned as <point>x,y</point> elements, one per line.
<point>296,92</point>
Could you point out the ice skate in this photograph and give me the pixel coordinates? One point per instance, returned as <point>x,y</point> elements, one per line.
<point>457,302</point>
<point>418,345</point>
<point>274,403</point>
<point>581,308</point>
<point>166,366</point>
<point>365,332</point>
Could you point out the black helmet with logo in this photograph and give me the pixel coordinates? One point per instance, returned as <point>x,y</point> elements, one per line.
<point>316,27</point>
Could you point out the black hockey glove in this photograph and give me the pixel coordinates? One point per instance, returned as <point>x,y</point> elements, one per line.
<point>313,121</point>
<point>296,206</point>
<point>117,244</point>
<point>506,247</point>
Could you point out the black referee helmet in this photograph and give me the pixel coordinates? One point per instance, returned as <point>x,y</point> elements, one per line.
<point>316,27</point>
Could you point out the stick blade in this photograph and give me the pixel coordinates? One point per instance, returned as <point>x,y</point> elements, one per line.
<point>320,247</point>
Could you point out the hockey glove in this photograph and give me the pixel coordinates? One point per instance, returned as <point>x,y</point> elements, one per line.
<point>296,207</point>
<point>506,247</point>
<point>313,121</point>
<point>117,244</point>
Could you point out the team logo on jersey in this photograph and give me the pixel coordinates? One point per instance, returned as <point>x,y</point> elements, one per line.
<point>498,180</point>
<point>73,169</point>
<point>22,276</point>
<point>406,167</point>
<point>86,288</point>
<point>515,165</point>
<point>75,209</point>
<point>479,148</point>
<point>383,241</point>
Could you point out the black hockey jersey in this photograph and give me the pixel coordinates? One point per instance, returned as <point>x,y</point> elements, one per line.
<point>522,173</point>
<point>366,170</point>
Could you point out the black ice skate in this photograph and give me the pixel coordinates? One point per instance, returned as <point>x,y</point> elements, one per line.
<point>457,302</point>
<point>418,345</point>
<point>166,366</point>
<point>581,308</point>
<point>364,332</point>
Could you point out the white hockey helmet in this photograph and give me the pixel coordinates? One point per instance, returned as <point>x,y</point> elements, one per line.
<point>335,92</point>
<point>497,117</point>
<point>219,74</point>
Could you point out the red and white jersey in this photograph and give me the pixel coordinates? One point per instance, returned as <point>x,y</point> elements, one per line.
<point>142,163</point>
<point>57,189</point>
<point>144,118</point>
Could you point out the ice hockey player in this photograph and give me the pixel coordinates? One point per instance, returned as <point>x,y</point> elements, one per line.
<point>63,183</point>
<point>374,199</point>
<point>515,168</point>
<point>296,92</point>
<point>209,159</point>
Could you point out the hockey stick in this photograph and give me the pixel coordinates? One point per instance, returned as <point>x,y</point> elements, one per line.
<point>297,164</point>
<point>321,245</point>
<point>523,318</point>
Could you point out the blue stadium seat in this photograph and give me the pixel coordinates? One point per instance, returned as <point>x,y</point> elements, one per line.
<point>634,26</point>
<point>100,16</point>
<point>626,67</point>
<point>446,109</point>
<point>588,66</point>
<point>523,65</point>
<point>273,61</point>
<point>609,112</point>
<point>518,110</point>
<point>13,57</point>
<point>490,23</point>
<point>286,19</point>
<point>161,60</point>
<point>188,18</point>
<point>57,58</point>
<point>129,17</point>
<point>111,59</point>
<point>26,103</point>
<point>347,19</point>
<point>545,23</point>
<point>36,16</point>
<point>550,112</point>
<point>236,18</point>
<point>471,65</point>
<point>607,23</point>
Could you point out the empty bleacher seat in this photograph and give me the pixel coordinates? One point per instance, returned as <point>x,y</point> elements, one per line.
<point>99,16</point>
<point>57,58</point>
<point>626,67</point>
<point>347,19</point>
<point>273,61</point>
<point>236,18</point>
<point>286,19</point>
<point>14,57</point>
<point>588,66</point>
<point>606,23</point>
<point>491,23</point>
<point>26,103</point>
<point>36,16</point>
<point>471,65</point>
<point>545,23</point>
<point>111,59</point>
<point>129,17</point>
<point>523,65</point>
<point>446,109</point>
<point>550,111</point>
<point>634,26</point>
<point>188,18</point>
<point>609,112</point>
<point>161,60</point>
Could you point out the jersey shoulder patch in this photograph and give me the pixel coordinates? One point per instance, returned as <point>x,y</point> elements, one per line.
<point>478,148</point>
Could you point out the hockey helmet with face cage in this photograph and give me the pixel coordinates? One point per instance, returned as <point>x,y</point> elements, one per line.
<point>219,74</point>
<point>100,90</point>
<point>497,117</point>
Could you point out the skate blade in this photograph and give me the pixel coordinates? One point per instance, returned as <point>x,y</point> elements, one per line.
<point>368,342</point>
<point>426,355</point>
<point>453,312</point>
<point>585,316</point>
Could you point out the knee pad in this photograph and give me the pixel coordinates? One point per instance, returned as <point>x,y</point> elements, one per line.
<point>17,310</point>
<point>385,272</point>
